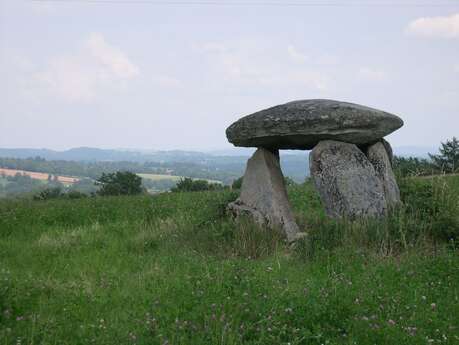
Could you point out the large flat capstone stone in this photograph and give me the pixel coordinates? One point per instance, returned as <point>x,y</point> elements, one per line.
<point>302,124</point>
<point>264,196</point>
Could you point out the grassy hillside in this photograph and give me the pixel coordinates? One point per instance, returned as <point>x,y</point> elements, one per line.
<point>173,269</point>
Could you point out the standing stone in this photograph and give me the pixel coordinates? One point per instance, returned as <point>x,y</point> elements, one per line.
<point>390,152</point>
<point>346,181</point>
<point>379,157</point>
<point>263,194</point>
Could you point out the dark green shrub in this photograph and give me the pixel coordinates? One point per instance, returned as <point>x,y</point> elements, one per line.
<point>189,185</point>
<point>119,183</point>
<point>74,194</point>
<point>48,193</point>
<point>237,184</point>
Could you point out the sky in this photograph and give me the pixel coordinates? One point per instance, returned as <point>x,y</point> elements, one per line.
<point>174,75</point>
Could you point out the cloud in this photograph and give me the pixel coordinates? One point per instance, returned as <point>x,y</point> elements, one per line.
<point>112,58</point>
<point>456,68</point>
<point>435,27</point>
<point>82,76</point>
<point>295,55</point>
<point>247,63</point>
<point>372,74</point>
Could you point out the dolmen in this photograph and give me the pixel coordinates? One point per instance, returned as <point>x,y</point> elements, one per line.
<point>350,162</point>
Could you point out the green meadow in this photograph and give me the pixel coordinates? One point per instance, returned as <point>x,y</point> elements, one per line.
<point>174,269</point>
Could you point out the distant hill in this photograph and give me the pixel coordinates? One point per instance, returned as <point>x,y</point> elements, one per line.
<point>91,154</point>
<point>415,151</point>
<point>221,163</point>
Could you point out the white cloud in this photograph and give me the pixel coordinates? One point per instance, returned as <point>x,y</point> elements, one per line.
<point>372,74</point>
<point>95,68</point>
<point>295,55</point>
<point>430,27</point>
<point>112,58</point>
<point>456,68</point>
<point>248,64</point>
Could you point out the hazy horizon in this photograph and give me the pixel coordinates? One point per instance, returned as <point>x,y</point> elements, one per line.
<point>173,76</point>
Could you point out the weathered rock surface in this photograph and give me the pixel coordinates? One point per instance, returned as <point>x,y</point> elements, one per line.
<point>346,181</point>
<point>302,124</point>
<point>378,156</point>
<point>263,194</point>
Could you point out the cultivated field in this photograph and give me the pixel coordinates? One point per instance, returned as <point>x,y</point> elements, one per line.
<point>38,175</point>
<point>173,269</point>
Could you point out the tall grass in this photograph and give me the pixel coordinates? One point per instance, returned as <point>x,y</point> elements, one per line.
<point>428,216</point>
<point>174,269</point>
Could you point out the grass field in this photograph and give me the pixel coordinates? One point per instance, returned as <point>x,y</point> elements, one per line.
<point>173,269</point>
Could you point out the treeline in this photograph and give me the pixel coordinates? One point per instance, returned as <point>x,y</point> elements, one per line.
<point>446,162</point>
<point>95,169</point>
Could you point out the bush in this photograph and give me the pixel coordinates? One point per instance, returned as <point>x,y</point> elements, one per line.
<point>119,183</point>
<point>189,185</point>
<point>48,193</point>
<point>74,194</point>
<point>237,184</point>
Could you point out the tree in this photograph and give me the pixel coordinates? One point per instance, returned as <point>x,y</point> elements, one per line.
<point>413,166</point>
<point>237,184</point>
<point>119,183</point>
<point>189,185</point>
<point>448,159</point>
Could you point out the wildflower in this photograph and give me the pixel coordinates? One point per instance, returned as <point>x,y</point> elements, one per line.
<point>391,322</point>
<point>433,306</point>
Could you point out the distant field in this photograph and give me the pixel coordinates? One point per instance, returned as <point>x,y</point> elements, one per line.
<point>37,175</point>
<point>158,177</point>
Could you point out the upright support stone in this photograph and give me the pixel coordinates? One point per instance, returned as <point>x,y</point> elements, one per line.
<point>379,156</point>
<point>346,180</point>
<point>263,194</point>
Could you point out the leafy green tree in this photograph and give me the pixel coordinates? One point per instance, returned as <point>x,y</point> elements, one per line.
<point>189,185</point>
<point>448,159</point>
<point>237,184</point>
<point>413,166</point>
<point>119,183</point>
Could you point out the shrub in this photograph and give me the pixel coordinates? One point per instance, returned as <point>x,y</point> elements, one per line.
<point>74,194</point>
<point>237,184</point>
<point>119,183</point>
<point>189,185</point>
<point>48,193</point>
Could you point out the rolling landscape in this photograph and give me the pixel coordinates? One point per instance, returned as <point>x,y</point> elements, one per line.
<point>229,172</point>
